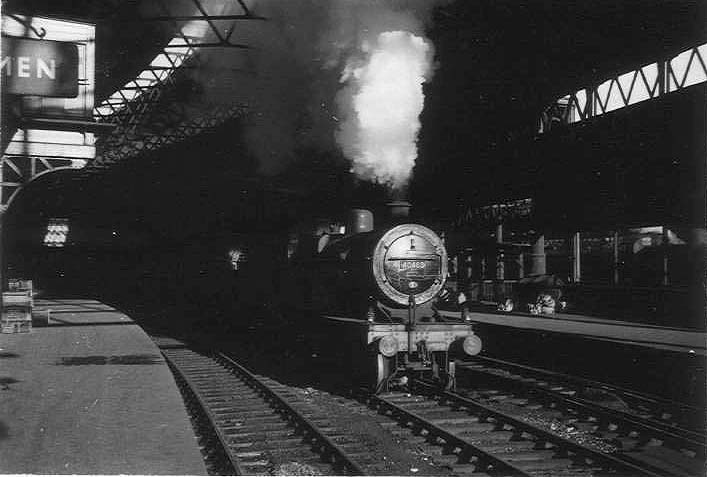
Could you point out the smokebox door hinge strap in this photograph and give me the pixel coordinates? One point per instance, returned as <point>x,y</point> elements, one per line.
<point>41,33</point>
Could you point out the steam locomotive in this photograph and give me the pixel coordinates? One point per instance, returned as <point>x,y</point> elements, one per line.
<point>378,298</point>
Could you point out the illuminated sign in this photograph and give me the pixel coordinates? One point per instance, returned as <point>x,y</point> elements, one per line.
<point>39,67</point>
<point>57,230</point>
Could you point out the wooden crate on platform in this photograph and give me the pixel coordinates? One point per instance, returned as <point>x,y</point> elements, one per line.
<point>15,285</point>
<point>17,299</point>
<point>16,312</point>
<point>15,326</point>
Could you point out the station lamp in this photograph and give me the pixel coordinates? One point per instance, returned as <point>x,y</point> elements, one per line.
<point>237,257</point>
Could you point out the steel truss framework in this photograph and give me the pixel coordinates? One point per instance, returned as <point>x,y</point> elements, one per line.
<point>495,213</point>
<point>19,170</point>
<point>648,82</point>
<point>25,157</point>
<point>147,111</point>
<point>144,115</point>
<point>130,140</point>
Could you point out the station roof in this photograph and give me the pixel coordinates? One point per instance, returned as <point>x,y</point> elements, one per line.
<point>574,41</point>
<point>503,59</point>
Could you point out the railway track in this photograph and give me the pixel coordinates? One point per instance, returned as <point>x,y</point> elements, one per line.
<point>645,429</point>
<point>477,439</point>
<point>652,410</point>
<point>250,424</point>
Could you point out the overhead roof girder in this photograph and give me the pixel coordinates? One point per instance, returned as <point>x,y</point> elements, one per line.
<point>181,18</point>
<point>132,104</point>
<point>650,81</point>
<point>220,44</point>
<point>136,139</point>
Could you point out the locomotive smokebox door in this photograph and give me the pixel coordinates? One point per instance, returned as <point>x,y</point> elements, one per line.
<point>410,260</point>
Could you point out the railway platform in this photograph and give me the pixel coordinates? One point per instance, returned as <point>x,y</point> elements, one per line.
<point>679,340</point>
<point>662,361</point>
<point>89,393</point>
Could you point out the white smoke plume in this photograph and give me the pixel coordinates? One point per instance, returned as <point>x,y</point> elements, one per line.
<point>382,102</point>
<point>384,60</point>
<point>324,74</point>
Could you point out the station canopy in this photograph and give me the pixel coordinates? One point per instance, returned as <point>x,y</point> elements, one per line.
<point>167,71</point>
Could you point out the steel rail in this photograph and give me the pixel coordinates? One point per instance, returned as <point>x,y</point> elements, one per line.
<point>590,383</point>
<point>326,446</point>
<point>588,408</point>
<point>692,440</point>
<point>487,459</point>
<point>623,462</point>
<point>193,389</point>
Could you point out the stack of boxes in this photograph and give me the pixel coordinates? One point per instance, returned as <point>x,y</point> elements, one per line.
<point>17,305</point>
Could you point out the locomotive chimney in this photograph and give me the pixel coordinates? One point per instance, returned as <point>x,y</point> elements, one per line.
<point>360,221</point>
<point>399,211</point>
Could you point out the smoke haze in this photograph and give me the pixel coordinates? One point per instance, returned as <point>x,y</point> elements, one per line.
<point>327,75</point>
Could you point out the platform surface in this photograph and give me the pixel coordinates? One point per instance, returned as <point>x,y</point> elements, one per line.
<point>672,339</point>
<point>90,394</point>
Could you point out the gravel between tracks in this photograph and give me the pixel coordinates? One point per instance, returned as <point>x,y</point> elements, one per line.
<point>395,452</point>
<point>395,455</point>
<point>546,419</point>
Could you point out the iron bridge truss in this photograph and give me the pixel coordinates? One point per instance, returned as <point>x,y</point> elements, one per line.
<point>647,82</point>
<point>147,112</point>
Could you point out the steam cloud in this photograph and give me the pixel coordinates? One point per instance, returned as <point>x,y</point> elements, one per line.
<point>328,74</point>
<point>381,103</point>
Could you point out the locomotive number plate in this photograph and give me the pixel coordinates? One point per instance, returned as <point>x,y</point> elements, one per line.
<point>408,264</point>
